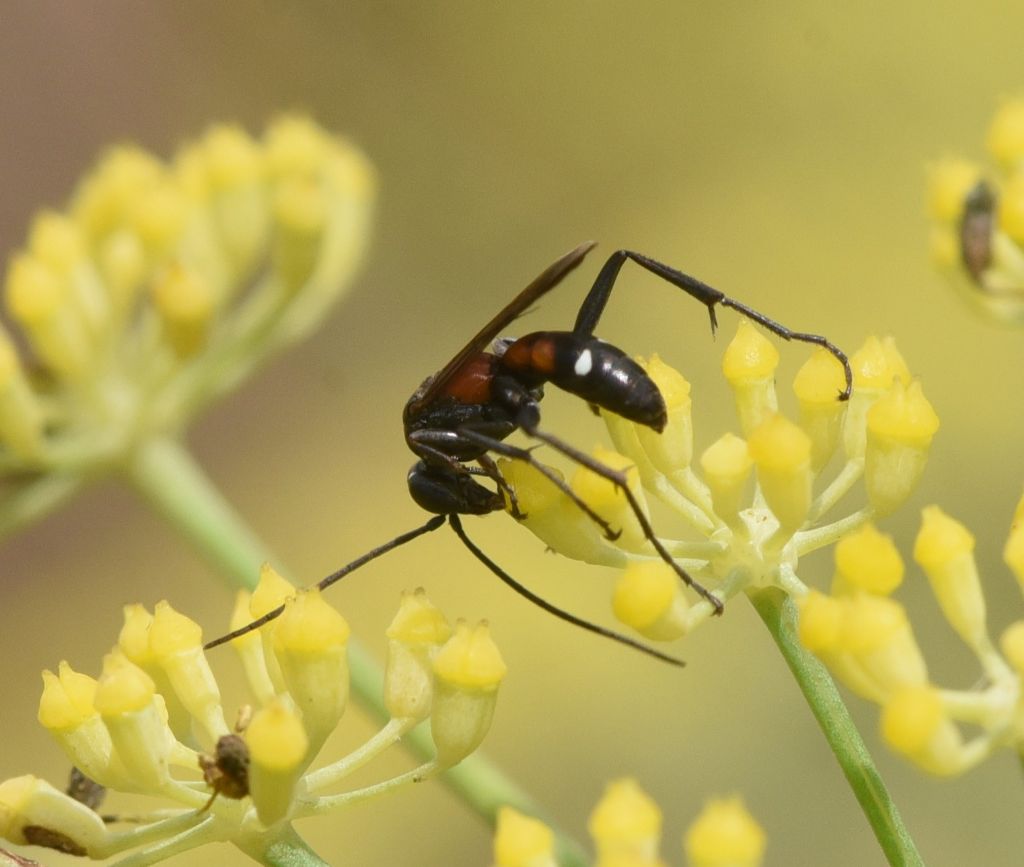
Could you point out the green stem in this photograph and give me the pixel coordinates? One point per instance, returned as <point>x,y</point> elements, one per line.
<point>287,849</point>
<point>175,485</point>
<point>779,614</point>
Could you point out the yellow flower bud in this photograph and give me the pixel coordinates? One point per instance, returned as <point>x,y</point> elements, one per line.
<point>57,240</point>
<point>67,701</point>
<point>945,550</point>
<point>122,262</point>
<point>66,710</point>
<point>271,592</point>
<point>134,636</point>
<point>867,560</point>
<point>555,519</point>
<point>21,414</point>
<point>186,305</point>
<point>310,644</point>
<point>1006,134</point>
<point>725,835</point>
<point>32,812</point>
<point>1013,552</point>
<point>881,654</point>
<point>609,501</point>
<point>468,671</point>
<point>231,156</point>
<point>278,749</point>
<point>914,724</point>
<point>295,146</point>
<point>649,598</point>
<point>159,218</point>
<point>110,193</point>
<point>866,641</point>
<point>418,630</point>
<point>249,647</point>
<point>134,642</point>
<point>821,622</point>
<point>900,427</point>
<point>782,453</point>
<point>877,363</point>
<point>749,366</point>
<point>949,181</point>
<point>625,821</point>
<point>126,700</point>
<point>672,449</point>
<point>176,642</point>
<point>726,465</point>
<point>300,217</point>
<point>39,300</point>
<point>817,385</point>
<point>522,841</point>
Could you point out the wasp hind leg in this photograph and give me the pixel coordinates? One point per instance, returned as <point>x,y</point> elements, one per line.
<point>619,480</point>
<point>593,305</point>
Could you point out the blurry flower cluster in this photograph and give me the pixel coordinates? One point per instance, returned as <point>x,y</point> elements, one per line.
<point>757,501</point>
<point>867,641</point>
<point>978,219</point>
<point>626,829</point>
<point>159,287</point>
<point>153,723</point>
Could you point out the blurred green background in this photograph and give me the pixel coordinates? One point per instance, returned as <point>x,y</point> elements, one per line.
<point>775,150</point>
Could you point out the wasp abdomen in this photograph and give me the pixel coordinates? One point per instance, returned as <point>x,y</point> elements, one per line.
<point>588,367</point>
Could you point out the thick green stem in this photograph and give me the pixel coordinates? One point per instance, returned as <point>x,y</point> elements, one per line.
<point>166,474</point>
<point>779,614</point>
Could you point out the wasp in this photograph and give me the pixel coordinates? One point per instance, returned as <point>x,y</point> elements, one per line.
<point>460,418</point>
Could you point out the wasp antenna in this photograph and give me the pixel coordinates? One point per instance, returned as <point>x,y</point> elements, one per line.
<point>334,577</point>
<point>397,542</point>
<point>529,595</point>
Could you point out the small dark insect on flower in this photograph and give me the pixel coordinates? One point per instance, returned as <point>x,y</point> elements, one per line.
<point>227,771</point>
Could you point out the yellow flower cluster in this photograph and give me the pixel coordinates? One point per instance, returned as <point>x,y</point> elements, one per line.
<point>867,641</point>
<point>162,284</point>
<point>757,504</point>
<point>626,829</point>
<point>978,219</point>
<point>140,727</point>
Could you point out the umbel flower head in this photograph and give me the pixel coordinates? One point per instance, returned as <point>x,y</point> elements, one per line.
<point>977,218</point>
<point>626,829</point>
<point>866,639</point>
<point>159,287</point>
<point>755,500</point>
<point>153,724</point>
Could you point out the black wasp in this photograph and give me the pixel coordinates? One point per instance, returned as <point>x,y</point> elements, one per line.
<point>493,387</point>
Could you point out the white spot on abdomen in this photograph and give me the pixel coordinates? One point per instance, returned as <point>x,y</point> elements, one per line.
<point>583,363</point>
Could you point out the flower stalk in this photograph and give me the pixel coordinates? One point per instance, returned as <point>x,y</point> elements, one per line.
<point>779,615</point>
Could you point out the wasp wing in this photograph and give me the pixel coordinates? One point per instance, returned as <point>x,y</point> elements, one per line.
<point>547,280</point>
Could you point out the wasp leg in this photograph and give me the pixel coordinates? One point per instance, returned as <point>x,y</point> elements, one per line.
<point>594,304</point>
<point>526,456</point>
<point>490,469</point>
<point>529,595</point>
<point>619,479</point>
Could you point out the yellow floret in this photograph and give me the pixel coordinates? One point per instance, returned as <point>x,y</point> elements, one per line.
<point>949,181</point>
<point>725,835</point>
<point>868,560</point>
<point>470,659</point>
<point>419,621</point>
